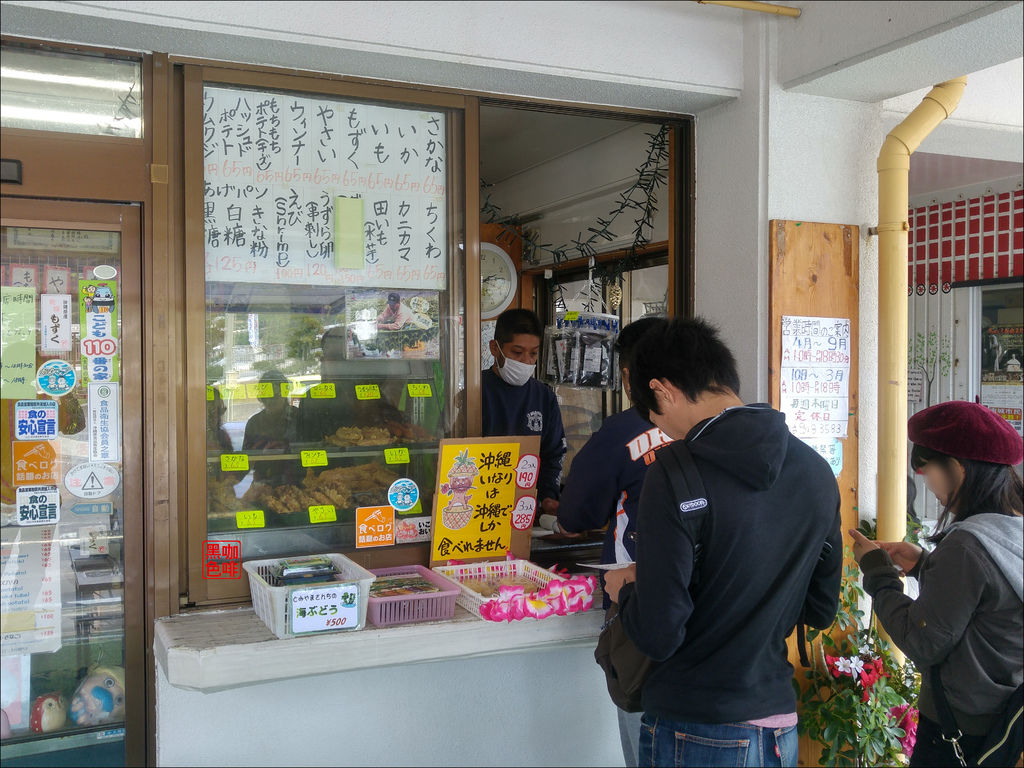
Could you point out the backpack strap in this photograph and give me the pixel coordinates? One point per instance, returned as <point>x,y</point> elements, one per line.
<point>950,732</point>
<point>691,500</point>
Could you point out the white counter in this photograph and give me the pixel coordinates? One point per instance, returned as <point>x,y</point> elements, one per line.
<point>461,692</point>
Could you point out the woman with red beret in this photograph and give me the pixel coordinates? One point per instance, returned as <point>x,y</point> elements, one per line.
<point>969,616</point>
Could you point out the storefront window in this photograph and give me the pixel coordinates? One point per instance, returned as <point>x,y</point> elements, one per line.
<point>333,302</point>
<point>71,93</point>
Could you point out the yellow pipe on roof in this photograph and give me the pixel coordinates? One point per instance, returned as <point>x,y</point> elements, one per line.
<point>750,5</point>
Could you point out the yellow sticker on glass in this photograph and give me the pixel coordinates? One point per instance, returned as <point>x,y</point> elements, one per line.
<point>209,394</point>
<point>396,455</point>
<point>252,391</point>
<point>571,317</point>
<point>234,462</point>
<point>265,389</point>
<point>292,389</point>
<point>367,392</point>
<point>250,518</point>
<point>323,391</point>
<point>419,390</point>
<point>322,513</point>
<point>313,458</point>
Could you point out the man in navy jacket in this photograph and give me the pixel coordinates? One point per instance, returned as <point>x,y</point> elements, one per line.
<point>722,691</point>
<point>515,403</point>
<point>604,488</point>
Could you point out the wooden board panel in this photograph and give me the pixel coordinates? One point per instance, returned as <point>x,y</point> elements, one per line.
<point>815,272</point>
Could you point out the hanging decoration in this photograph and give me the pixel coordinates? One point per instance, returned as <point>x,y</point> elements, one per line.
<point>641,197</point>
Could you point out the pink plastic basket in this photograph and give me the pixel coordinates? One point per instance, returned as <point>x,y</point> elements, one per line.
<point>406,609</point>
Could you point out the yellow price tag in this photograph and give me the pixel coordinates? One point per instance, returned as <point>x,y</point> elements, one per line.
<point>396,455</point>
<point>209,394</point>
<point>419,390</point>
<point>250,518</point>
<point>234,462</point>
<point>291,389</point>
<point>571,317</point>
<point>367,392</point>
<point>265,389</point>
<point>252,391</point>
<point>322,513</point>
<point>313,458</point>
<point>322,391</point>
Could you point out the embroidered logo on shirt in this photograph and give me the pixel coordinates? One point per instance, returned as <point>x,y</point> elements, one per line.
<point>535,421</point>
<point>689,506</point>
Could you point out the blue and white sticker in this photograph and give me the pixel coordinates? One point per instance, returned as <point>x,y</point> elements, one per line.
<point>403,494</point>
<point>38,505</point>
<point>35,420</point>
<point>57,378</point>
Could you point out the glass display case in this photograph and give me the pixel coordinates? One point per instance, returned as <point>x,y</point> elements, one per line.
<point>333,303</point>
<point>64,654</point>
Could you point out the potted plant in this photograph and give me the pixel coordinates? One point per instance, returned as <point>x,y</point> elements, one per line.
<point>858,702</point>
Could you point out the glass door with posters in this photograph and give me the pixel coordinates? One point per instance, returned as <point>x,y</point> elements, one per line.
<point>1002,353</point>
<point>71,498</point>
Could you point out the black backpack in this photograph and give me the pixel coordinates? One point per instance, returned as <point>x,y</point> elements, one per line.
<point>626,667</point>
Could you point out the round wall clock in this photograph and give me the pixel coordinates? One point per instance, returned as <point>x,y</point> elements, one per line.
<point>498,280</point>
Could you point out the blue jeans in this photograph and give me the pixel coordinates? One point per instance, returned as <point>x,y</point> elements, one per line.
<point>677,744</point>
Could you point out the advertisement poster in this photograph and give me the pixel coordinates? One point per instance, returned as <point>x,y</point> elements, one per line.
<point>485,498</point>
<point>1002,380</point>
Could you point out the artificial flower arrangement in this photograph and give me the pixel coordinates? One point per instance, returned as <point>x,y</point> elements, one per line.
<point>559,597</point>
<point>859,700</point>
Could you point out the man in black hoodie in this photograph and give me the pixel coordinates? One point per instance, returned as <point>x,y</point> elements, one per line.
<point>721,693</point>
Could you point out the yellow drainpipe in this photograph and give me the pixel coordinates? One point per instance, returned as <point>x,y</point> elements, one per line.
<point>893,177</point>
<point>752,5</point>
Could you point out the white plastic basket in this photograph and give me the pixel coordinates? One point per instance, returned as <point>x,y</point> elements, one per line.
<point>470,599</point>
<point>272,603</point>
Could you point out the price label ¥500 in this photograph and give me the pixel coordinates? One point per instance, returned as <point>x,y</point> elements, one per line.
<point>419,390</point>
<point>234,462</point>
<point>320,608</point>
<point>367,392</point>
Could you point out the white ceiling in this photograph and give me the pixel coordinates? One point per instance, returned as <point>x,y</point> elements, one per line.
<point>931,172</point>
<point>515,140</point>
<point>994,95</point>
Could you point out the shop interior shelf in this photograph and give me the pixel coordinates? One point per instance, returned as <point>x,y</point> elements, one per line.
<point>333,451</point>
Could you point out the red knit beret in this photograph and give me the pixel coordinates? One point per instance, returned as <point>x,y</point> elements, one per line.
<point>966,431</point>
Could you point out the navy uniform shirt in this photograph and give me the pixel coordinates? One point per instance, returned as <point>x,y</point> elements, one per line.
<point>605,482</point>
<point>531,409</point>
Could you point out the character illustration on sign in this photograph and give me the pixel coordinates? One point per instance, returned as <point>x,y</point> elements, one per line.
<point>99,298</point>
<point>100,697</point>
<point>459,511</point>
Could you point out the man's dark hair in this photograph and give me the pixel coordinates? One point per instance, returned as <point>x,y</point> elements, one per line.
<point>630,335</point>
<point>686,352</point>
<point>515,321</point>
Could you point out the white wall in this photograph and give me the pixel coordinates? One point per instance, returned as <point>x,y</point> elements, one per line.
<point>675,57</point>
<point>540,708</point>
<point>776,154</point>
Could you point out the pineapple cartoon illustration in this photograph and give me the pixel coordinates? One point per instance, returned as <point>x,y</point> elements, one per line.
<point>459,511</point>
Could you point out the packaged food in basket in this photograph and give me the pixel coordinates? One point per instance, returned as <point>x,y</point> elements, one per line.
<point>303,570</point>
<point>401,584</point>
<point>459,511</point>
<point>559,597</point>
<point>490,587</point>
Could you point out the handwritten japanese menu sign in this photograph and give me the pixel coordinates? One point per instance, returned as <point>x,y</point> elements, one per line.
<point>18,342</point>
<point>315,190</point>
<point>485,498</point>
<point>815,375</point>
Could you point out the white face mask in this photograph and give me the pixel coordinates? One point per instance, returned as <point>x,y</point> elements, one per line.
<point>515,373</point>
